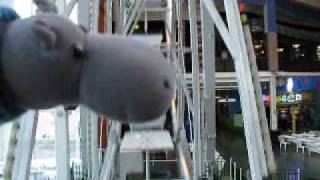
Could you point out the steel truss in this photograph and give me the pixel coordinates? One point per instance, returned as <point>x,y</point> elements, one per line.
<point>128,13</point>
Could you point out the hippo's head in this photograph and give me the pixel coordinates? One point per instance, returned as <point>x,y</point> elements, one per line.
<point>126,79</point>
<point>48,61</point>
<point>41,60</point>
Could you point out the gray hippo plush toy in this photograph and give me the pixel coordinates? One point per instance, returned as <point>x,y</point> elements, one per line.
<point>8,110</point>
<point>125,78</point>
<point>46,61</point>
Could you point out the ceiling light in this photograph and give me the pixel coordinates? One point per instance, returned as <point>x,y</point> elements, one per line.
<point>227,100</point>
<point>295,45</point>
<point>280,50</point>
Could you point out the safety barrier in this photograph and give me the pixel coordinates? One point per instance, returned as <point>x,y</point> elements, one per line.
<point>229,170</point>
<point>232,171</point>
<point>78,173</point>
<point>287,175</point>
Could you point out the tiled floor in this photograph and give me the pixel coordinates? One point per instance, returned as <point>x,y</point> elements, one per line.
<point>232,144</point>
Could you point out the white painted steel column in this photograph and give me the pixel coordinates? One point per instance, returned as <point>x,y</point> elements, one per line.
<point>271,166</point>
<point>69,8</point>
<point>62,144</point>
<point>95,16</point>
<point>61,5</point>
<point>180,33</point>
<point>184,156</point>
<point>5,130</point>
<point>133,18</point>
<point>170,25</point>
<point>273,103</point>
<point>246,89</point>
<point>208,51</point>
<point>122,14</point>
<point>195,89</point>
<point>108,167</point>
<point>235,51</point>
<point>24,149</point>
<point>109,7</point>
<point>83,13</point>
<point>10,159</point>
<point>147,165</point>
<point>83,20</point>
<point>83,137</point>
<point>94,145</point>
<point>7,2</point>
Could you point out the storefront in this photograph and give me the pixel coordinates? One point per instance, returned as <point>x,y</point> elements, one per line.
<point>298,103</point>
<point>292,110</point>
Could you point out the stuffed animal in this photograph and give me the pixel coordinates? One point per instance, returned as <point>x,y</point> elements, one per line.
<point>7,14</point>
<point>8,110</point>
<point>125,79</point>
<point>48,61</point>
<point>42,59</point>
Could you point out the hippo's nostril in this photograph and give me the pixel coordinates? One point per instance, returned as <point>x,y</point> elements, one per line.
<point>166,84</point>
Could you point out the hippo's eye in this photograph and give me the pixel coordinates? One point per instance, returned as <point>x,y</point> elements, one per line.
<point>166,84</point>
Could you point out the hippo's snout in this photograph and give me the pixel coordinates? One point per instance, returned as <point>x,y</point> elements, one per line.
<point>126,80</point>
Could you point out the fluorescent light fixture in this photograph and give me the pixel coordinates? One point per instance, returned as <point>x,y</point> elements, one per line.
<point>280,50</point>
<point>295,45</point>
<point>229,100</point>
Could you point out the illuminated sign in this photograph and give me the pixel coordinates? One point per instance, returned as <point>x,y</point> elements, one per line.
<point>289,98</point>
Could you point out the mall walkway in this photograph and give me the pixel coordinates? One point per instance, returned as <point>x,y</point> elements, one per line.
<point>231,143</point>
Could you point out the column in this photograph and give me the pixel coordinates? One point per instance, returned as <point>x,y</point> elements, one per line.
<point>61,5</point>
<point>195,89</point>
<point>25,146</point>
<point>5,130</point>
<point>62,144</point>
<point>83,13</point>
<point>94,145</point>
<point>208,48</point>
<point>270,20</point>
<point>84,137</point>
<point>83,20</point>
<point>7,2</point>
<point>273,103</point>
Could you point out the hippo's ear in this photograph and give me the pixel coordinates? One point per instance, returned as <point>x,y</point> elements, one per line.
<point>45,33</point>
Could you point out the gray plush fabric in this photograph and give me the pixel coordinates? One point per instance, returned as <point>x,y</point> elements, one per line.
<point>42,61</point>
<point>48,61</point>
<point>125,79</point>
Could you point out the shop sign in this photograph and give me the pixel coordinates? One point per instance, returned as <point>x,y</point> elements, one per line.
<point>289,98</point>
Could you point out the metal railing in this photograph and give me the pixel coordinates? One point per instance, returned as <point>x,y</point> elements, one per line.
<point>231,170</point>
<point>287,175</point>
<point>78,173</point>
